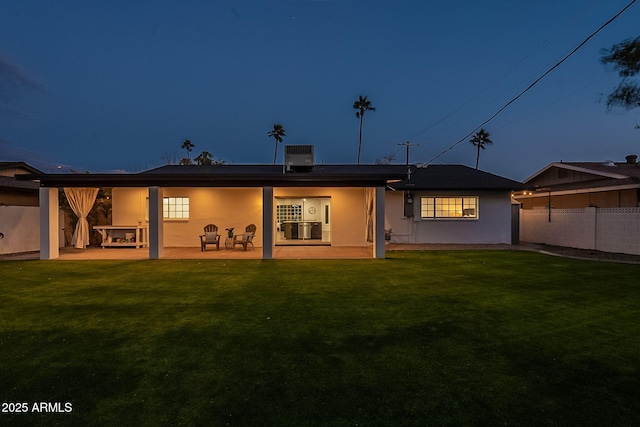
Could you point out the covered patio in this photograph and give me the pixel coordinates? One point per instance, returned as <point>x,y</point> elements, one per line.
<point>351,197</point>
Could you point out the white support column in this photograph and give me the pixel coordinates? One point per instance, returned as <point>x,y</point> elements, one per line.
<point>156,229</point>
<point>267,222</point>
<point>378,237</point>
<point>49,233</point>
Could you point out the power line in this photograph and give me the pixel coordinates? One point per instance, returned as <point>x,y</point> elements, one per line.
<point>588,9</point>
<point>535,82</point>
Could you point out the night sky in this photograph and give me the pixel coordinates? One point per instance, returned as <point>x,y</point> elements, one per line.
<point>118,85</point>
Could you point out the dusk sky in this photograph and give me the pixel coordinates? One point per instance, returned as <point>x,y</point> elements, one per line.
<point>118,85</point>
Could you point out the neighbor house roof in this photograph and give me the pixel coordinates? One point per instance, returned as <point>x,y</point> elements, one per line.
<point>11,183</point>
<point>18,165</point>
<point>233,176</point>
<point>607,169</point>
<point>8,182</point>
<point>598,176</point>
<point>454,177</point>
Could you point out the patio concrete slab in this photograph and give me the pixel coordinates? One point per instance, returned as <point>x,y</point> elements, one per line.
<point>279,252</point>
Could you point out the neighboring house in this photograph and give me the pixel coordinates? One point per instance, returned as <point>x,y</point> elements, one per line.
<point>14,192</point>
<point>589,205</point>
<point>451,204</point>
<point>19,212</point>
<point>300,203</point>
<point>567,185</point>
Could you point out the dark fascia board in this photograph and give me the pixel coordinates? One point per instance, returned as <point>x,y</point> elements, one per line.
<point>14,184</point>
<point>186,180</point>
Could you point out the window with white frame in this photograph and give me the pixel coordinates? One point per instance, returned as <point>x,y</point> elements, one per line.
<point>449,207</point>
<point>175,207</point>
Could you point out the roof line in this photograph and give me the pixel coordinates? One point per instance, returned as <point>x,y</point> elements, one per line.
<point>569,166</point>
<point>545,193</point>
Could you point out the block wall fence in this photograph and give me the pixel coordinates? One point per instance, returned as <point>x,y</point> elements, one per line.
<point>20,229</point>
<point>604,229</point>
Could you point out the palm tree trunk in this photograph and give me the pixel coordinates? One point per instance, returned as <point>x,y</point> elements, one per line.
<point>275,153</point>
<point>478,156</point>
<point>360,140</point>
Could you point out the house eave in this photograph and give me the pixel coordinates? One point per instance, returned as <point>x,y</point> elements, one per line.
<point>546,192</point>
<point>177,180</point>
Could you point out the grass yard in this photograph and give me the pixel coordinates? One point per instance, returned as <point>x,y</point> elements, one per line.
<point>418,339</point>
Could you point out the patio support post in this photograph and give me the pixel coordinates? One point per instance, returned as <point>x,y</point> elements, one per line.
<point>378,238</point>
<point>156,230</point>
<point>267,222</point>
<point>49,212</point>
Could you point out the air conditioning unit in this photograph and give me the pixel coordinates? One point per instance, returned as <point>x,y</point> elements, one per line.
<point>298,155</point>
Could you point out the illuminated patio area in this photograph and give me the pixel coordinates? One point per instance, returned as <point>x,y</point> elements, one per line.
<point>279,252</point>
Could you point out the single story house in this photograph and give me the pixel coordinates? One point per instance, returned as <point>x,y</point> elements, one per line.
<point>298,203</point>
<point>292,204</point>
<point>452,204</point>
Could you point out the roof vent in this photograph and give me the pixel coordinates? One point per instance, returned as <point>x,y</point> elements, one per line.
<point>298,156</point>
<point>608,163</point>
<point>631,159</point>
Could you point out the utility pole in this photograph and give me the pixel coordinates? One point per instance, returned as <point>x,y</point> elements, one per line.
<point>408,144</point>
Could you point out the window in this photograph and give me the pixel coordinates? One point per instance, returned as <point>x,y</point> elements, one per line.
<point>288,213</point>
<point>175,207</point>
<point>449,207</point>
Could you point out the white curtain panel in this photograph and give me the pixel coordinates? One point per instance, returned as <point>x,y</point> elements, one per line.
<point>368,200</point>
<point>81,201</point>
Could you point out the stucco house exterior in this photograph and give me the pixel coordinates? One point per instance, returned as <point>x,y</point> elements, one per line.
<point>300,203</point>
<point>451,204</point>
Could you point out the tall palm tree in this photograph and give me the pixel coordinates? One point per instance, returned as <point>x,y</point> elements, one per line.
<point>277,133</point>
<point>361,106</point>
<point>188,145</point>
<point>480,139</point>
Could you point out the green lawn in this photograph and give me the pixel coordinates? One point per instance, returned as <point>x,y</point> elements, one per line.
<point>420,338</point>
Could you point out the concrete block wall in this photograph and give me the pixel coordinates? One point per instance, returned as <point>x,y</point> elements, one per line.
<point>567,227</point>
<point>20,228</point>
<point>618,230</point>
<point>609,230</point>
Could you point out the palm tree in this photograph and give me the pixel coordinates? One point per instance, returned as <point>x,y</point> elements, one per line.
<point>277,133</point>
<point>362,105</point>
<point>480,139</point>
<point>188,145</point>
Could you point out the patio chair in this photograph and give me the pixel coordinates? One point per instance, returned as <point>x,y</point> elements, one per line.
<point>246,238</point>
<point>210,237</point>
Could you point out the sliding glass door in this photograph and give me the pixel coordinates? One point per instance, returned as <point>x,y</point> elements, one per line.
<point>303,221</point>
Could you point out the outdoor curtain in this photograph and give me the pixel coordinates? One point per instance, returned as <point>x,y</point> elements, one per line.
<point>81,201</point>
<point>368,201</point>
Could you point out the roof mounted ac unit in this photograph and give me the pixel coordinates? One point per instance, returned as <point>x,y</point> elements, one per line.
<point>298,155</point>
